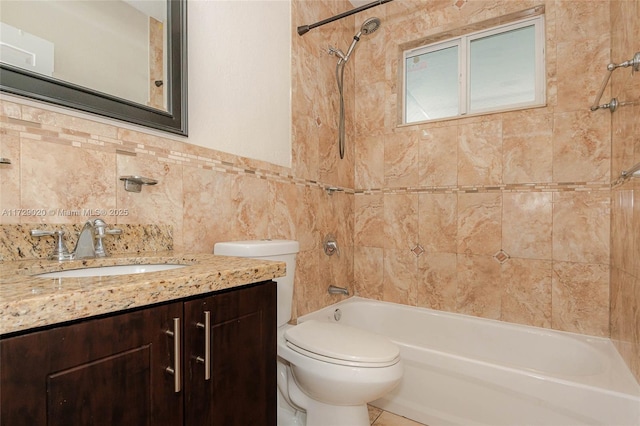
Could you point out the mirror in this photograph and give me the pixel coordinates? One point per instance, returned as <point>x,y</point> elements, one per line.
<point>122,59</point>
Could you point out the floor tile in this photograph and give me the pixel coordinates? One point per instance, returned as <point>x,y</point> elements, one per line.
<point>389,419</point>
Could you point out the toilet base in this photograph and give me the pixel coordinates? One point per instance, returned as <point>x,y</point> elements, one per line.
<point>295,408</point>
<point>320,414</point>
<point>288,415</point>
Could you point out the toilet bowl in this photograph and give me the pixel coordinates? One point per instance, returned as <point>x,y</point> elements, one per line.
<point>337,370</point>
<point>327,372</point>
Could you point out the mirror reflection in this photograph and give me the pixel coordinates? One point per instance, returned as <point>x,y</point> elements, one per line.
<point>117,47</point>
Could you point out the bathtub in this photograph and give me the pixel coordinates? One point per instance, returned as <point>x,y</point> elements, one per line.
<point>462,370</point>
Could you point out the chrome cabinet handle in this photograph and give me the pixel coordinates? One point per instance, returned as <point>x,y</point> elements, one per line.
<point>207,344</point>
<point>175,370</point>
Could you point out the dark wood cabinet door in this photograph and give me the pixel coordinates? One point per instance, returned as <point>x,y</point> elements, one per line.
<point>107,371</point>
<point>241,389</point>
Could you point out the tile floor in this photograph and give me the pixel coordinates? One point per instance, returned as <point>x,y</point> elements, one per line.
<point>378,417</point>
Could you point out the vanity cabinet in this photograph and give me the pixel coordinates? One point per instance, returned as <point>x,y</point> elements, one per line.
<point>239,328</point>
<point>120,369</point>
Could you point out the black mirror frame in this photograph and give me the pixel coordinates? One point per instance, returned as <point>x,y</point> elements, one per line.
<point>24,83</point>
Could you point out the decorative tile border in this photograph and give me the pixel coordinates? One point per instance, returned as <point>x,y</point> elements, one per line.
<point>525,187</point>
<point>177,152</point>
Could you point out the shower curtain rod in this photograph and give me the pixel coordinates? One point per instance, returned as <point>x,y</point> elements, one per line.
<point>303,29</point>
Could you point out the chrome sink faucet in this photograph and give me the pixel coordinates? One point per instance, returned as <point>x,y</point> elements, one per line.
<point>88,246</point>
<point>85,247</point>
<point>90,243</point>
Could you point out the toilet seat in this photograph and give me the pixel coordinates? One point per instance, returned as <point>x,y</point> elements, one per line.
<point>341,344</point>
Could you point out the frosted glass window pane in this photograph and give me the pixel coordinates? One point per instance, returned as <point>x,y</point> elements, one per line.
<point>432,85</point>
<point>502,69</point>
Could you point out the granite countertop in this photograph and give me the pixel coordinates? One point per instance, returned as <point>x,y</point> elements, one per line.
<point>27,302</point>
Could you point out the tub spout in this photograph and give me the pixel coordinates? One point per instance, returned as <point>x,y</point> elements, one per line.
<point>338,290</point>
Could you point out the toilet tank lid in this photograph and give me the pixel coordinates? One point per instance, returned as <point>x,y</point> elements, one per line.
<point>256,248</point>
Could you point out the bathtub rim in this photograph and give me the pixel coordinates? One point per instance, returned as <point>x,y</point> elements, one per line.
<point>629,391</point>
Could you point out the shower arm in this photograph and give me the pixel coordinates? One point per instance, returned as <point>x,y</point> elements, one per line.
<point>303,29</point>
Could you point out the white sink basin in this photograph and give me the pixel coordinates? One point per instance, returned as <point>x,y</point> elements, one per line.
<point>103,271</point>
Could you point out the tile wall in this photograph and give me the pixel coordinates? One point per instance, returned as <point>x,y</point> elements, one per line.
<point>625,196</point>
<point>64,165</point>
<point>512,210</point>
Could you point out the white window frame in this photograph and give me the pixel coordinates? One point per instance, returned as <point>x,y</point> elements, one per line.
<point>463,42</point>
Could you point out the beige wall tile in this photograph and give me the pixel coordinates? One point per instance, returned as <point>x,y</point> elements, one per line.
<point>583,33</point>
<point>283,208</point>
<point>527,224</point>
<point>480,153</point>
<point>623,125</point>
<point>250,200</point>
<point>580,294</point>
<point>368,272</point>
<point>479,287</point>
<point>581,147</point>
<point>369,111</point>
<point>310,292</point>
<point>158,204</point>
<point>369,220</point>
<point>438,156</point>
<point>622,249</point>
<point>400,276</point>
<point>615,316</point>
<point>581,227</point>
<point>336,270</point>
<point>10,109</point>
<point>400,221</point>
<point>479,223</point>
<point>578,90</point>
<point>527,148</point>
<point>67,121</point>
<point>56,176</point>
<point>208,217</point>
<point>307,207</point>
<point>305,146</point>
<point>401,160</point>
<point>369,162</point>
<point>336,217</point>
<point>437,281</point>
<point>635,235</point>
<point>10,177</point>
<point>527,292</point>
<point>438,222</point>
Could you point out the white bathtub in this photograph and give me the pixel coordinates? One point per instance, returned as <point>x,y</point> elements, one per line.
<point>462,370</point>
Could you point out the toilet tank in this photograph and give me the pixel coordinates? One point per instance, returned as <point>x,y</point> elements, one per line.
<point>281,250</point>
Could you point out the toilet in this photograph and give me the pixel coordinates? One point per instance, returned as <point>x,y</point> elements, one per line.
<point>327,372</point>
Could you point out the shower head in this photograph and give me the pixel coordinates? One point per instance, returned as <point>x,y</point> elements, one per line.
<point>368,26</point>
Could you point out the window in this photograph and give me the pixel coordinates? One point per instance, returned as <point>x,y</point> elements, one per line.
<point>491,70</point>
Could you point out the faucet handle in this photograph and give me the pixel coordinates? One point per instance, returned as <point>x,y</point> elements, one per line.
<point>330,245</point>
<point>100,232</point>
<point>60,252</point>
